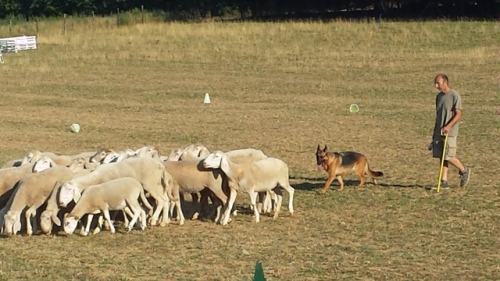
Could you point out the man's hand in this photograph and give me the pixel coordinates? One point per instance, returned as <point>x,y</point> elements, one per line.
<point>445,130</point>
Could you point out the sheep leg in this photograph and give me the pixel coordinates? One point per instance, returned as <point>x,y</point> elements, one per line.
<point>172,207</point>
<point>290,191</point>
<point>136,213</point>
<point>126,211</point>
<point>100,221</point>
<point>262,196</point>
<point>31,212</point>
<point>108,218</point>
<point>167,212</point>
<point>253,200</point>
<point>227,212</point>
<point>86,230</point>
<point>143,219</point>
<point>221,198</point>
<point>180,214</point>
<point>279,196</point>
<point>160,205</point>
<point>196,202</point>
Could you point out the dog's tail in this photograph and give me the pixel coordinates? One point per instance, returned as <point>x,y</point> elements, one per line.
<point>372,173</point>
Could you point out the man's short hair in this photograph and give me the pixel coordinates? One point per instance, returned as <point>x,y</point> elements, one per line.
<point>444,76</point>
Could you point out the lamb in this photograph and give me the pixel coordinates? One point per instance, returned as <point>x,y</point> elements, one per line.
<point>115,194</point>
<point>32,193</point>
<point>149,172</point>
<point>254,177</point>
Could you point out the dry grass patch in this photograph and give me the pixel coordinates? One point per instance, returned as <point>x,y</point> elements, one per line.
<point>282,88</point>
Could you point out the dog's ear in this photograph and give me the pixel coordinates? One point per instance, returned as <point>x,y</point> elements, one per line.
<point>318,149</point>
<point>324,149</point>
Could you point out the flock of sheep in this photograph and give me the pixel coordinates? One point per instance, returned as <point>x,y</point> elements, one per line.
<point>48,192</point>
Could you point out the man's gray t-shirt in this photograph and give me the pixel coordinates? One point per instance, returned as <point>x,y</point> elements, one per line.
<point>446,104</point>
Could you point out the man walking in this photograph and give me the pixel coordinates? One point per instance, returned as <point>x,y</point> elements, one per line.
<point>448,114</point>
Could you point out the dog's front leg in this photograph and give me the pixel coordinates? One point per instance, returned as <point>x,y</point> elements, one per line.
<point>331,177</point>
<point>341,182</point>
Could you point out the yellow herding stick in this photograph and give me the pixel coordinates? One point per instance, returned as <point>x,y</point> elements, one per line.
<point>442,162</point>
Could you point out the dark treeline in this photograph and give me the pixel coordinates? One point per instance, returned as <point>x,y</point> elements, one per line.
<point>258,9</point>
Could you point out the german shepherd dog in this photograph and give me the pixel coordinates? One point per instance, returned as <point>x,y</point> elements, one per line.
<point>337,164</point>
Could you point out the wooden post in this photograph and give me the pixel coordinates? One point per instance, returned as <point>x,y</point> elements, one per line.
<point>10,28</point>
<point>64,25</point>
<point>142,14</point>
<point>117,16</point>
<point>36,27</point>
<point>93,19</point>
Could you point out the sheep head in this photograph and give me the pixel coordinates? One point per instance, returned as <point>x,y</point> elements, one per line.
<point>216,160</point>
<point>42,164</point>
<point>148,151</point>
<point>175,154</point>
<point>70,223</point>
<point>46,219</point>
<point>111,157</point>
<point>78,164</point>
<point>69,191</point>
<point>12,223</point>
<point>100,155</point>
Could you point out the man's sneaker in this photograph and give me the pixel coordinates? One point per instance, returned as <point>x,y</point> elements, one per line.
<point>444,185</point>
<point>465,176</point>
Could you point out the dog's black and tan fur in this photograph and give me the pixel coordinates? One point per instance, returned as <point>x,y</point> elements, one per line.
<point>337,164</point>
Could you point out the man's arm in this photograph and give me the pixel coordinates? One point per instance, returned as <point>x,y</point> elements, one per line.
<point>457,114</point>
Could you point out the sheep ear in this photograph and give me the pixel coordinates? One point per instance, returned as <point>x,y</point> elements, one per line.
<point>76,196</point>
<point>224,164</point>
<point>56,220</point>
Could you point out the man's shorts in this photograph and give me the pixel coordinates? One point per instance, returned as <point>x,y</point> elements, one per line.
<point>451,148</point>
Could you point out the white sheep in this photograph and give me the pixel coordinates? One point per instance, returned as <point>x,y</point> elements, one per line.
<point>32,193</point>
<point>65,160</point>
<point>175,154</point>
<point>35,155</point>
<point>49,216</point>
<point>191,177</point>
<point>149,172</point>
<point>197,150</point>
<point>100,154</point>
<point>12,163</point>
<point>115,194</point>
<point>148,151</point>
<point>248,155</point>
<point>9,177</point>
<point>254,177</point>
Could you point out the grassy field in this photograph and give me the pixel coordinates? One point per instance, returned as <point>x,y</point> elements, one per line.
<point>283,88</point>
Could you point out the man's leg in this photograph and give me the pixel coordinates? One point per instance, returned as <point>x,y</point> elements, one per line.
<point>455,162</point>
<point>444,176</point>
<point>451,158</point>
